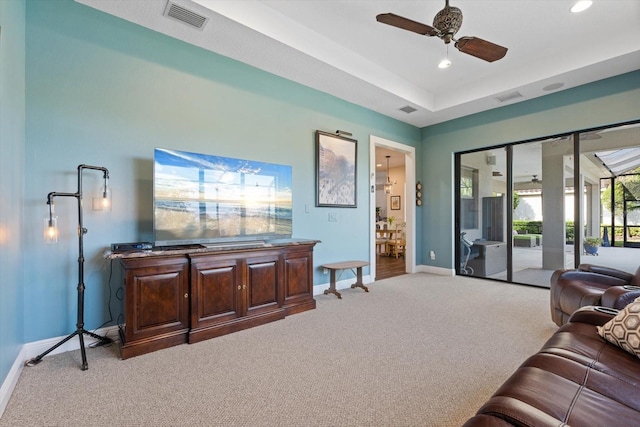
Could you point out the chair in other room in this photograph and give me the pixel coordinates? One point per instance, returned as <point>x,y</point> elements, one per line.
<point>398,243</point>
<point>381,241</point>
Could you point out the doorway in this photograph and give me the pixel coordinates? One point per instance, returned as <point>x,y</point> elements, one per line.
<point>391,198</point>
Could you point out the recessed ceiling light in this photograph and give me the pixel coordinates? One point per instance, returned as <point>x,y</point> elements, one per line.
<point>445,63</point>
<point>581,6</point>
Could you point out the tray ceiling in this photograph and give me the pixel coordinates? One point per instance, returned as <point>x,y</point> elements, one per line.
<point>336,46</point>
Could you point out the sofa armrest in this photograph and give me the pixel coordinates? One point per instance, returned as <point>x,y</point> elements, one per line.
<point>593,279</point>
<point>593,315</point>
<point>620,296</point>
<point>607,271</point>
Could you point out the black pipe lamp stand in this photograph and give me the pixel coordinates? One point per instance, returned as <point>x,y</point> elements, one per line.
<point>51,236</point>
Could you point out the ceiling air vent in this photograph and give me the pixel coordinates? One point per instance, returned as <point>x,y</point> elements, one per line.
<point>185,15</point>
<point>408,109</point>
<point>509,96</point>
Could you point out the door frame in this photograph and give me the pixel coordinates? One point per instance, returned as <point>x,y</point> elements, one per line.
<point>410,200</point>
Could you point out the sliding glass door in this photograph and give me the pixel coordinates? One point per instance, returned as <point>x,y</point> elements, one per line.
<point>610,173</point>
<point>483,213</point>
<point>524,210</point>
<point>543,209</point>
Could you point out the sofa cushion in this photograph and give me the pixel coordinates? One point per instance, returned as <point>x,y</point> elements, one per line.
<point>624,329</point>
<point>576,379</point>
<point>580,343</point>
<point>551,390</point>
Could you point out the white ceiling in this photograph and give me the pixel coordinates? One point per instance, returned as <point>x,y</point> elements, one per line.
<point>396,159</point>
<point>336,46</point>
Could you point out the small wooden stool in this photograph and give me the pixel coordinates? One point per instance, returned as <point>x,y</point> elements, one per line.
<point>346,265</point>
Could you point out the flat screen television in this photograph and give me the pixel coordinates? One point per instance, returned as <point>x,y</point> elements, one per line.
<point>206,199</point>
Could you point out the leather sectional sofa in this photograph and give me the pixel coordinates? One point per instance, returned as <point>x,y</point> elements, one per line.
<point>591,285</point>
<point>576,379</point>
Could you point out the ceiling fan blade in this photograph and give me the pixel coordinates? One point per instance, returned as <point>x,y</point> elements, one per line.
<point>481,48</point>
<point>406,24</point>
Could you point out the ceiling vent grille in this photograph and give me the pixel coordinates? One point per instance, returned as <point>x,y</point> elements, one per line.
<point>185,15</point>
<point>509,96</point>
<point>408,109</point>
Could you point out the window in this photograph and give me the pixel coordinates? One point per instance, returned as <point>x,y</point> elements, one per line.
<point>468,197</point>
<point>466,183</point>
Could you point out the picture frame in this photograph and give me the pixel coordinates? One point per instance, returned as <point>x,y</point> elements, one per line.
<point>395,203</point>
<point>336,170</point>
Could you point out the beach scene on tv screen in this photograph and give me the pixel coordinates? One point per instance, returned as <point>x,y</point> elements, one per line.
<point>200,197</point>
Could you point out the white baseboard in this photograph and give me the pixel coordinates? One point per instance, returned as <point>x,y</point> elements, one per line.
<point>344,284</point>
<point>11,380</point>
<point>32,349</point>
<point>341,284</point>
<point>440,271</point>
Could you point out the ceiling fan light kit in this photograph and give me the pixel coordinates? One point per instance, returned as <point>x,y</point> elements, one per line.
<point>446,24</point>
<point>581,6</point>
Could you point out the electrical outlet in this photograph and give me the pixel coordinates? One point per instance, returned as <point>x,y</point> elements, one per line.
<point>432,254</point>
<point>332,217</point>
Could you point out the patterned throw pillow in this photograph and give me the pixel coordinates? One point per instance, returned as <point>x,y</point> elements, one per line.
<point>624,329</point>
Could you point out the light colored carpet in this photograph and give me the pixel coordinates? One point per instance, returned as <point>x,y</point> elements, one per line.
<point>417,350</point>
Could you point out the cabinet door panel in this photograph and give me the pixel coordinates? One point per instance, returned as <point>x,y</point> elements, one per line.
<point>297,272</point>
<point>218,292</point>
<point>158,300</point>
<point>215,293</point>
<point>156,297</point>
<point>298,280</point>
<point>262,282</point>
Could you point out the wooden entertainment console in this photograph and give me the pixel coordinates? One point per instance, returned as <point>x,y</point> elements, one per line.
<point>188,295</point>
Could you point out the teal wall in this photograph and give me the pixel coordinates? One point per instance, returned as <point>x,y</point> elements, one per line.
<point>12,140</point>
<point>608,101</point>
<point>105,92</point>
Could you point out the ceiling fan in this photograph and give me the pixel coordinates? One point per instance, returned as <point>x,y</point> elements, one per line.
<point>535,180</point>
<point>446,24</point>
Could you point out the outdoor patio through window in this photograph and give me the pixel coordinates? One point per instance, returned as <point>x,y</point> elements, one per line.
<point>558,204</point>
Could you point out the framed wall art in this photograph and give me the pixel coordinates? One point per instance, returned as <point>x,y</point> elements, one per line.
<point>335,170</point>
<point>395,203</point>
